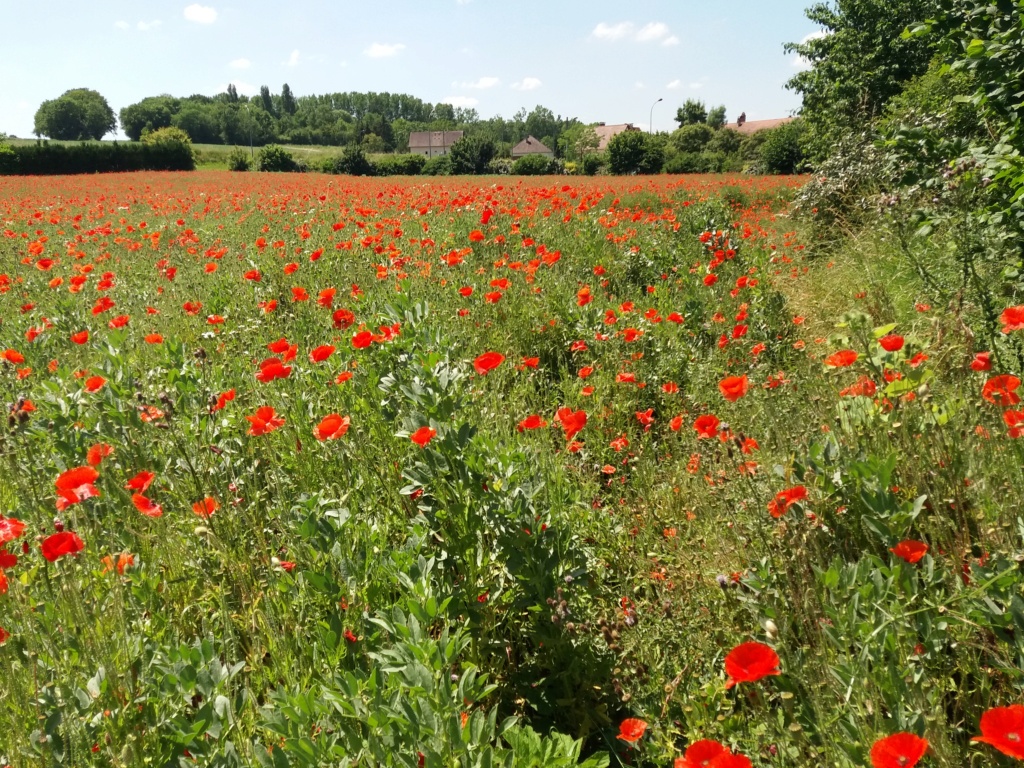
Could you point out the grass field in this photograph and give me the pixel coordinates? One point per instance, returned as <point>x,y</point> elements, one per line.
<point>313,470</point>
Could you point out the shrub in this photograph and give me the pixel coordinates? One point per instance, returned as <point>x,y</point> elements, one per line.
<point>351,162</point>
<point>45,159</point>
<point>693,138</point>
<point>239,160</point>
<point>696,162</point>
<point>171,137</point>
<point>8,159</point>
<point>634,152</point>
<point>500,166</point>
<point>782,152</point>
<point>592,164</point>
<point>275,159</point>
<point>399,165</point>
<point>532,165</point>
<point>471,154</point>
<point>438,166</point>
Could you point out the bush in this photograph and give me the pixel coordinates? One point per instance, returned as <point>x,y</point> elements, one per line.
<point>438,166</point>
<point>500,166</point>
<point>634,152</point>
<point>351,162</point>
<point>693,138</point>
<point>275,159</point>
<point>399,165</point>
<point>532,165</point>
<point>471,154</point>
<point>45,159</point>
<point>8,160</point>
<point>782,152</point>
<point>170,137</point>
<point>696,162</point>
<point>239,160</point>
<point>592,164</point>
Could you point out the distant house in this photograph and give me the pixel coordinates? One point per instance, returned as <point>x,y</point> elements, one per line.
<point>605,133</point>
<point>530,146</point>
<point>748,127</point>
<point>432,143</point>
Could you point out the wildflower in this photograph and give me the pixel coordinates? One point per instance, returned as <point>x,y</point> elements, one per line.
<point>891,343</point>
<point>332,427</point>
<point>263,421</point>
<point>910,550</point>
<point>487,362</point>
<point>572,421</point>
<point>532,421</point>
<point>146,506</point>
<point>734,387</point>
<point>10,529</point>
<point>321,353</point>
<point>901,750</point>
<point>841,359</point>
<point>206,507</point>
<point>60,544</point>
<point>1012,319</point>
<point>750,662</point>
<point>632,729</point>
<point>783,500</point>
<point>982,362</point>
<point>1003,728</point>
<point>76,485</point>
<point>1002,390</point>
<point>706,426</point>
<point>423,435</point>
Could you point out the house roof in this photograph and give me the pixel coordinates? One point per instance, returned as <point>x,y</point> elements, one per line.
<point>424,139</point>
<point>530,146</point>
<point>753,126</point>
<point>605,133</point>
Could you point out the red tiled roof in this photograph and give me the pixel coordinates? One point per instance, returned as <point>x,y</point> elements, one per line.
<point>753,126</point>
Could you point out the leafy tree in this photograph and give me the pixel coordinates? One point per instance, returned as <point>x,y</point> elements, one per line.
<point>692,111</point>
<point>150,114</point>
<point>634,152</point>
<point>858,64</point>
<point>288,105</point>
<point>532,165</point>
<point>200,121</point>
<point>781,151</point>
<point>166,137</point>
<point>79,114</point>
<point>471,154</point>
<point>353,162</point>
<point>239,160</point>
<point>267,100</point>
<point>693,137</point>
<point>373,143</point>
<point>716,117</point>
<point>276,159</point>
<point>578,140</point>
<point>232,93</point>
<point>726,140</point>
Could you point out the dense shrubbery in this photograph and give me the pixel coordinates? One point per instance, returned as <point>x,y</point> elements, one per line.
<point>49,159</point>
<point>276,159</point>
<point>239,160</point>
<point>399,165</point>
<point>533,165</point>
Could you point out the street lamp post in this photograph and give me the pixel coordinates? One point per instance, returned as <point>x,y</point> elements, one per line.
<point>652,114</point>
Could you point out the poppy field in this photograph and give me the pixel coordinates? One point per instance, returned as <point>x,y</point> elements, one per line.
<point>308,471</point>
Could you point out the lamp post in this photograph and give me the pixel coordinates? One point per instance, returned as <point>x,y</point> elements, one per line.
<point>652,114</point>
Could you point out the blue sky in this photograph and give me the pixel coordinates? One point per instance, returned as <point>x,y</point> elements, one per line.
<point>600,60</point>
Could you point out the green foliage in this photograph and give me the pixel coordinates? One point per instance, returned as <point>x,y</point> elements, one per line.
<point>8,159</point>
<point>692,112</point>
<point>77,115</point>
<point>351,162</point>
<point>592,163</point>
<point>782,148</point>
<point>726,140</point>
<point>239,160</point>
<point>635,152</point>
<point>276,159</point>
<point>399,165</point>
<point>44,158</point>
<point>578,141</point>
<point>696,162</point>
<point>438,166</point>
<point>857,64</point>
<point>716,117</point>
<point>471,154</point>
<point>532,165</point>
<point>150,114</point>
<point>693,137</point>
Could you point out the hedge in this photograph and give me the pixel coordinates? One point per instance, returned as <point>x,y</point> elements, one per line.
<point>45,159</point>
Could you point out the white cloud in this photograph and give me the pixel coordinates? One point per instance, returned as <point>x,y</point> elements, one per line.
<point>799,61</point>
<point>696,86</point>
<point>479,85</point>
<point>383,50</point>
<point>675,85</point>
<point>527,84</point>
<point>244,88</point>
<point>293,60</point>
<point>201,14</point>
<point>655,30</point>
<point>242,63</point>
<point>670,40</point>
<point>121,24</point>
<point>639,85</point>
<point>145,26</point>
<point>618,31</point>
<point>464,102</point>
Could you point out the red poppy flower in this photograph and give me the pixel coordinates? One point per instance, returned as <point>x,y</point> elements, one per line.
<point>466,291</point>
<point>146,506</point>
<point>531,422</point>
<point>362,340</point>
<point>1003,728</point>
<point>94,383</point>
<point>60,544</point>
<point>734,387</point>
<point>263,421</point>
<point>841,359</point>
<point>476,236</point>
<point>749,662</point>
<point>154,338</point>
<point>76,485</point>
<point>343,318</point>
<point>783,500</point>
<point>892,342</point>
<point>632,729</point>
<point>863,387</point>
<point>646,418</point>
<point>910,550</point>
<point>140,482</point>
<point>97,454</point>
<point>7,560</point>
<point>572,421</point>
<point>982,362</point>
<point>272,368</point>
<point>11,528</point>
<point>1002,390</point>
<point>223,399</point>
<point>701,754</point>
<point>901,750</point>
<point>706,426</point>
<point>332,427</point>
<point>531,362</point>
<point>4,635</point>
<point>321,353</point>
<point>1015,421</point>
<point>206,507</point>
<point>1012,319</point>
<point>81,337</point>
<point>13,357</point>
<point>422,436</point>
<point>487,362</point>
